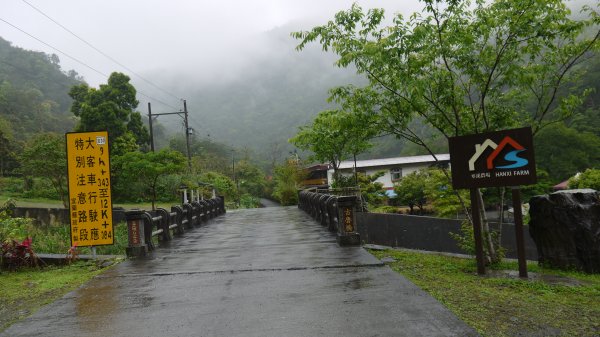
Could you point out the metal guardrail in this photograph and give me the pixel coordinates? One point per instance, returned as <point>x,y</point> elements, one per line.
<point>164,224</point>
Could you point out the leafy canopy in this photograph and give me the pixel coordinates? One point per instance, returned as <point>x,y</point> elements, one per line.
<point>287,179</point>
<point>563,151</point>
<point>45,156</point>
<point>147,168</point>
<point>111,108</point>
<point>410,190</point>
<point>333,136</point>
<point>590,178</point>
<point>462,67</point>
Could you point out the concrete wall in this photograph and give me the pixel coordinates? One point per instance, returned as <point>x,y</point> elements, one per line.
<point>427,233</point>
<point>43,216</point>
<point>55,216</point>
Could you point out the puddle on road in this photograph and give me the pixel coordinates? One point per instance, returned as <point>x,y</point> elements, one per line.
<point>95,306</point>
<point>358,283</point>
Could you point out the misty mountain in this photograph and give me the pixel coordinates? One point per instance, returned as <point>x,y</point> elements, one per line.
<point>261,101</point>
<point>34,92</point>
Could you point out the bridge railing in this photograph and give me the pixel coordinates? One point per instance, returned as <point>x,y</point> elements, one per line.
<point>336,212</point>
<point>344,192</point>
<point>142,225</point>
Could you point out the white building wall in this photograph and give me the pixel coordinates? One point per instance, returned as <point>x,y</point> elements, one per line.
<point>407,164</point>
<point>386,178</point>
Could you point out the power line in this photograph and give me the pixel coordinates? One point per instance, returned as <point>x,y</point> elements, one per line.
<point>156,99</point>
<point>58,50</point>
<point>80,62</point>
<point>99,51</point>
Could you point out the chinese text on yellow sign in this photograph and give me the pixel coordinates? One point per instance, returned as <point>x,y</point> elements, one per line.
<point>89,189</point>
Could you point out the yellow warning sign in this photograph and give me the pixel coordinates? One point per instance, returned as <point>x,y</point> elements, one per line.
<point>90,202</point>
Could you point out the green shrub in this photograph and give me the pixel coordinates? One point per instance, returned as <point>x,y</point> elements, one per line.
<point>41,188</point>
<point>385,209</point>
<point>55,239</point>
<point>249,201</point>
<point>12,186</point>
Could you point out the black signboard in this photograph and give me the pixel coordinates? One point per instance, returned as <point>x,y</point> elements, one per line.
<point>493,159</point>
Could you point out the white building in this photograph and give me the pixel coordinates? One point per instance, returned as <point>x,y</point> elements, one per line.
<point>394,168</point>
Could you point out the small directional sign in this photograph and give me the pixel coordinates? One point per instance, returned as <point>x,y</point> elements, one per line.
<point>90,203</point>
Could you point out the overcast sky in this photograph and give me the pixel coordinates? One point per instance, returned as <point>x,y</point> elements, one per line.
<point>154,37</point>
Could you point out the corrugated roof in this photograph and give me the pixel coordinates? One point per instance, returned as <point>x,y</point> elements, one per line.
<point>394,161</point>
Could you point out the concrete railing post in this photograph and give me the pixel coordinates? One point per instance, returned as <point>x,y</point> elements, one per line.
<point>205,210</point>
<point>347,234</point>
<point>189,214</point>
<point>164,223</point>
<point>197,207</point>
<point>331,205</point>
<point>178,219</point>
<point>323,209</point>
<point>148,229</point>
<point>222,204</point>
<point>135,228</point>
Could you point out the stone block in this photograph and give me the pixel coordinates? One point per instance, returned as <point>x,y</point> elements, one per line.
<point>566,229</point>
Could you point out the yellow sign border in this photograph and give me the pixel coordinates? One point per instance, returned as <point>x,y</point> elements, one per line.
<point>74,153</point>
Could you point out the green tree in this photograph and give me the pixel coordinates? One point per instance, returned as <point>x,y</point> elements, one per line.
<point>590,178</point>
<point>111,108</point>
<point>462,67</point>
<point>441,195</point>
<point>543,186</point>
<point>287,179</point>
<point>251,179</point>
<point>222,183</point>
<point>333,136</point>
<point>44,156</point>
<point>372,191</point>
<point>8,148</point>
<point>410,190</point>
<point>563,151</point>
<point>147,168</point>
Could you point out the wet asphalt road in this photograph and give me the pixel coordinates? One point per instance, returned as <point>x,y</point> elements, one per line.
<point>262,272</point>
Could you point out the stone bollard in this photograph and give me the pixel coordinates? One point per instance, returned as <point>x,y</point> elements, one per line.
<point>347,230</point>
<point>135,228</point>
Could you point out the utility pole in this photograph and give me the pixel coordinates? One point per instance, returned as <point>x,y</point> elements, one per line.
<point>187,136</point>
<point>150,124</point>
<point>187,129</point>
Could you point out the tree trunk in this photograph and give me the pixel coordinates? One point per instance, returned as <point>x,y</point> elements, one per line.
<point>501,215</point>
<point>59,189</point>
<point>492,256</point>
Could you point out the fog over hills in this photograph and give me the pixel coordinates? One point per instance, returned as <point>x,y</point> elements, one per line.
<point>260,100</point>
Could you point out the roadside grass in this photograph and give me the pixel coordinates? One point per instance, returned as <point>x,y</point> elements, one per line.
<point>549,303</point>
<point>55,239</point>
<point>27,290</point>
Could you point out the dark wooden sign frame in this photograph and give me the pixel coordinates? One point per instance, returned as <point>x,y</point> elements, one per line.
<point>494,159</point>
